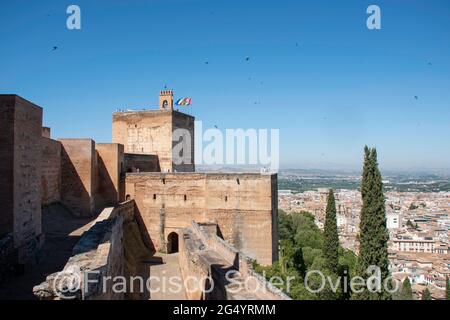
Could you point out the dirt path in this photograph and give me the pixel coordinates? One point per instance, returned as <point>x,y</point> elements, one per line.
<point>163,267</point>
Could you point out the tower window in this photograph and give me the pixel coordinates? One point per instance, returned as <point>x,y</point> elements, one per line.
<point>154,196</point>
<point>185,197</point>
<point>226,198</point>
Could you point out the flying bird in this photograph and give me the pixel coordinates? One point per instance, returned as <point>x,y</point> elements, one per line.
<point>430,64</point>
<point>247,59</point>
<point>206,62</point>
<point>416,97</point>
<point>54,48</point>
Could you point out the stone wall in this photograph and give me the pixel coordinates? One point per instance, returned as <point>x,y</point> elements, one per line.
<point>141,163</point>
<point>79,175</point>
<point>20,174</point>
<point>51,171</point>
<point>98,254</point>
<point>242,205</point>
<point>204,255</point>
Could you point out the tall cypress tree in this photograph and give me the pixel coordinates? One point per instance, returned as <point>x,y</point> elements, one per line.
<point>447,289</point>
<point>406,290</point>
<point>426,295</point>
<point>373,233</point>
<point>330,247</point>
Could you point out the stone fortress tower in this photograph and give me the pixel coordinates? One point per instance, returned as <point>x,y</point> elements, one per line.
<point>154,132</point>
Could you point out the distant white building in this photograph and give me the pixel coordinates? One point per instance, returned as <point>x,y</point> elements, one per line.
<point>393,220</point>
<point>340,220</point>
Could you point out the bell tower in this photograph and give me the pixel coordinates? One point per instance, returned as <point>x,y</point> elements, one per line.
<point>166,100</point>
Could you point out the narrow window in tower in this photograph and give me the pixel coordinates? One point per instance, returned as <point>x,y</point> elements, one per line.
<point>226,198</point>
<point>185,197</point>
<point>154,196</point>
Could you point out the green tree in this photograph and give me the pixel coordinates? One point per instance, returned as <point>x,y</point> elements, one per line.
<point>426,295</point>
<point>291,257</point>
<point>330,247</point>
<point>285,230</point>
<point>406,291</point>
<point>447,289</point>
<point>373,233</point>
<point>409,224</point>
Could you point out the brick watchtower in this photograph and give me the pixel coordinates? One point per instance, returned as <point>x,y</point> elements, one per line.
<point>166,100</point>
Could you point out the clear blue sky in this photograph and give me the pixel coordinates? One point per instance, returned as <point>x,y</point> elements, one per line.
<point>343,86</point>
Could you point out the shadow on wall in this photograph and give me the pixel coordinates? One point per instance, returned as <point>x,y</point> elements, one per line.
<point>146,238</point>
<point>106,193</point>
<point>73,192</point>
<point>136,263</point>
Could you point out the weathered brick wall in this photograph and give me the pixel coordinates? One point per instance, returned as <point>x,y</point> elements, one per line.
<point>51,171</point>
<point>110,166</point>
<point>27,178</point>
<point>242,205</point>
<point>141,163</point>
<point>79,175</point>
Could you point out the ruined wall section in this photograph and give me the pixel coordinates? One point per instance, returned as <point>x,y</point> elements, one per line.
<point>204,254</point>
<point>242,205</point>
<point>102,253</point>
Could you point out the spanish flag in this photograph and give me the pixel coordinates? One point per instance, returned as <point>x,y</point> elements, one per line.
<point>184,102</point>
